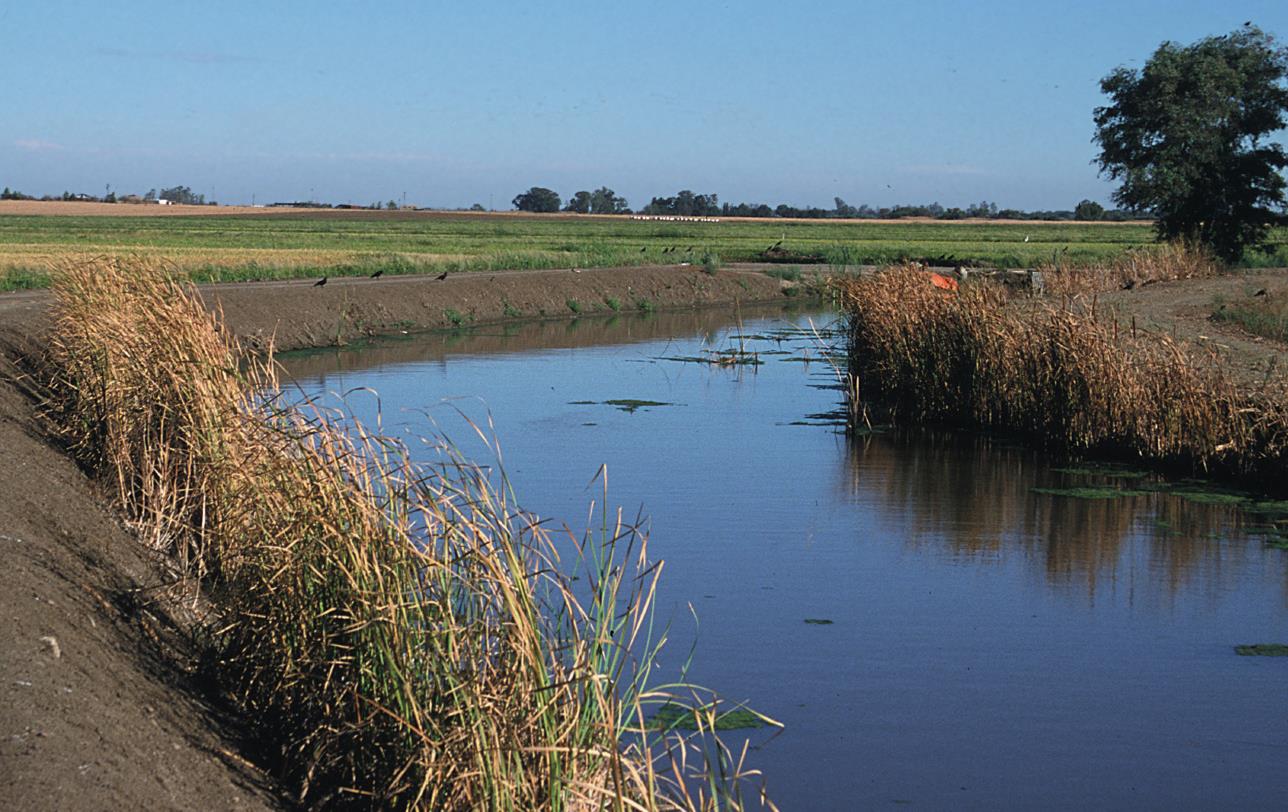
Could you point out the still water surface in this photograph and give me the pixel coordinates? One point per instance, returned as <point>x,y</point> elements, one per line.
<point>989,646</point>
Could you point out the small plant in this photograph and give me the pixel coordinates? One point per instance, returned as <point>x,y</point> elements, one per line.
<point>511,312</point>
<point>614,304</point>
<point>792,273</point>
<point>454,316</point>
<point>645,305</point>
<point>710,262</point>
<point>574,305</point>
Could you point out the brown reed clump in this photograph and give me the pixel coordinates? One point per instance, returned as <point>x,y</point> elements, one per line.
<point>404,635</point>
<point>1054,372</point>
<point>1163,262</point>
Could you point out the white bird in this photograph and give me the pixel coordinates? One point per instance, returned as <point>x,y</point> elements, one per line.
<point>1026,237</point>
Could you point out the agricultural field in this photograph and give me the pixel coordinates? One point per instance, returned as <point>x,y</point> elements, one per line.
<point>217,247</point>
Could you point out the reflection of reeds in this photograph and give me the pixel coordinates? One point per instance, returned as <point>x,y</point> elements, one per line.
<point>404,634</point>
<point>1055,373</point>
<point>972,494</point>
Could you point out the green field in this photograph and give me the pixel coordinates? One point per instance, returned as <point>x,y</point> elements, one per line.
<point>237,247</point>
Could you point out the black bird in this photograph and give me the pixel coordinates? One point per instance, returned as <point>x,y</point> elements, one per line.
<point>441,276</point>
<point>378,274</point>
<point>690,251</point>
<point>774,247</point>
<point>645,248</point>
<point>320,282</point>
<point>1261,292</point>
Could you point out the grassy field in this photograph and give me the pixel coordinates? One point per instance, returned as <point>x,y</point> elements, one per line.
<point>224,248</point>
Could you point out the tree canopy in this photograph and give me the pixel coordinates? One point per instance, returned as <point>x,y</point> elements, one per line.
<point>537,199</point>
<point>1186,136</point>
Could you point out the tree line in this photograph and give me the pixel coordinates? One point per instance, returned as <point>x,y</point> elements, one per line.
<point>688,203</point>
<point>175,194</point>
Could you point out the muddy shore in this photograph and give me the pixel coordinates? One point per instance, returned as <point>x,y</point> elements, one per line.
<point>101,703</point>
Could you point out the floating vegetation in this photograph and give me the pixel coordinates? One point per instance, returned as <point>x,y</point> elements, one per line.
<point>1262,650</point>
<point>630,405</point>
<point>1090,492</point>
<point>719,358</point>
<point>818,621</point>
<point>1107,471</point>
<point>672,716</point>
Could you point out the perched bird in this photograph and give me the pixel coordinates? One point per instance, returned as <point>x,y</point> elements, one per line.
<point>1261,292</point>
<point>320,282</point>
<point>645,248</point>
<point>378,274</point>
<point>441,276</point>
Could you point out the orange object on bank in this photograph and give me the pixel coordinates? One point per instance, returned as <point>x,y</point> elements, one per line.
<point>943,282</point>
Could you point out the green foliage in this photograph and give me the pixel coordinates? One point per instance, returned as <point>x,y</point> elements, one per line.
<point>579,203</point>
<point>1265,315</point>
<point>614,304</point>
<point>182,194</point>
<point>1089,210</point>
<point>454,316</point>
<point>1186,136</point>
<point>574,305</point>
<point>710,262</point>
<point>537,199</point>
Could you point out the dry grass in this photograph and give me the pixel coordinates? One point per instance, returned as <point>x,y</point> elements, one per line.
<point>404,634</point>
<point>1054,372</point>
<point>1163,262</point>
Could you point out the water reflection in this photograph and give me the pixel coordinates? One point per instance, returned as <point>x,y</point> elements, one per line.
<point>974,495</point>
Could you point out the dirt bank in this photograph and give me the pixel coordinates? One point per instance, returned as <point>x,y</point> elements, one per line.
<point>298,313</point>
<point>100,705</point>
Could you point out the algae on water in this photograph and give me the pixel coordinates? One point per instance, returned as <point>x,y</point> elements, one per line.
<point>677,717</point>
<point>1262,650</point>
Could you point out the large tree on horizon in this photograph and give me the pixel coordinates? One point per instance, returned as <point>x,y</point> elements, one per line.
<point>1188,138</point>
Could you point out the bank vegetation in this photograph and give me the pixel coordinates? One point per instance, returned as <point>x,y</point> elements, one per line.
<point>402,634</point>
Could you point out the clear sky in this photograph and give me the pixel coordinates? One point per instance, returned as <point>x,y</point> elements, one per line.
<point>454,103</point>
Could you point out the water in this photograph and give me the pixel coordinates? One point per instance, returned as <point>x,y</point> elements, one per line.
<point>989,645</point>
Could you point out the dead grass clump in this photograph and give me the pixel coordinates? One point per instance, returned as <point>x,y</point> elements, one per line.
<point>404,634</point>
<point>1137,266</point>
<point>1054,372</point>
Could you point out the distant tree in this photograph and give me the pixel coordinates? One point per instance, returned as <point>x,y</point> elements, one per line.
<point>605,201</point>
<point>1186,136</point>
<point>537,199</point>
<point>182,194</point>
<point>477,207</point>
<point>844,209</point>
<point>1088,210</point>
<point>390,205</point>
<point>579,203</point>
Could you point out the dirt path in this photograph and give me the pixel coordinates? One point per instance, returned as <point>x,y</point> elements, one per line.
<point>1184,308</point>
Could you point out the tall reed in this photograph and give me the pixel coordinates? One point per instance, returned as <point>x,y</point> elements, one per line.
<point>1053,370</point>
<point>403,633</point>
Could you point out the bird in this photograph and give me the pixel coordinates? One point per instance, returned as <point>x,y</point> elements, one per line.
<point>1261,292</point>
<point>320,282</point>
<point>1026,237</point>
<point>441,276</point>
<point>378,274</point>
<point>645,248</point>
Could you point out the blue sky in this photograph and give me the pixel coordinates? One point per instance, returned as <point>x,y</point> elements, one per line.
<point>458,103</point>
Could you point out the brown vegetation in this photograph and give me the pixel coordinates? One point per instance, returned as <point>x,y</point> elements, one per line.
<point>1051,369</point>
<point>404,635</point>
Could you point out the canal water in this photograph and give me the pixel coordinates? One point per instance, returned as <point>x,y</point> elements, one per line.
<point>935,617</point>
